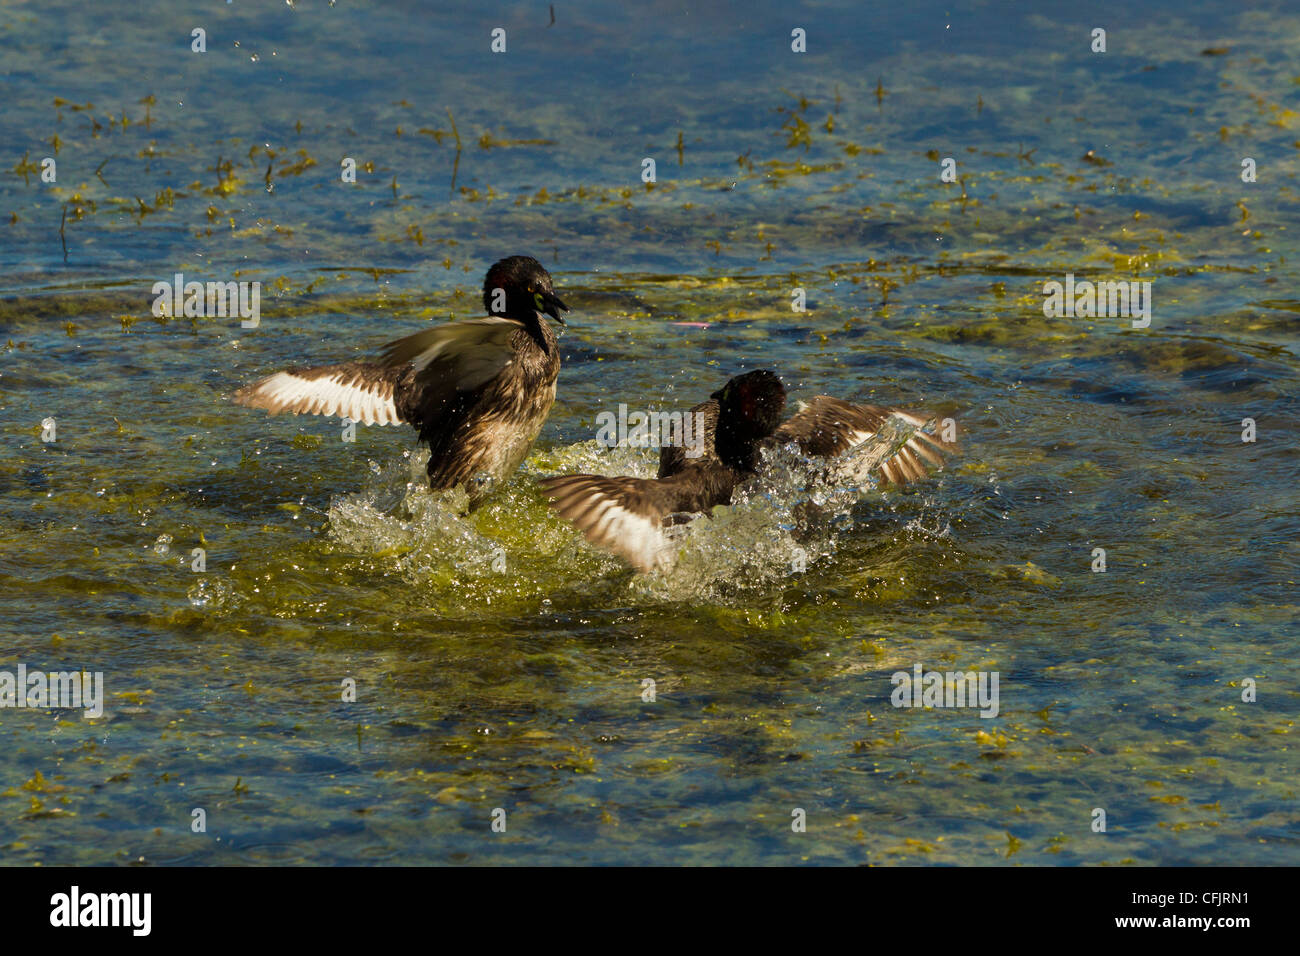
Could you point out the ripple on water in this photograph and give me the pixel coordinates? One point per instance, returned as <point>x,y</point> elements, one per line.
<point>274,853</point>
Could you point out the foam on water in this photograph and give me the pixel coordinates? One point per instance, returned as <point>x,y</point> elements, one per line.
<point>787,520</point>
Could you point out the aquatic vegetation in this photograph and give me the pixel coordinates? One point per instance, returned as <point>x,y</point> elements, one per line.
<point>498,659</point>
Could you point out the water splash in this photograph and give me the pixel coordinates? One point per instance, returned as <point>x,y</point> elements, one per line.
<point>787,520</point>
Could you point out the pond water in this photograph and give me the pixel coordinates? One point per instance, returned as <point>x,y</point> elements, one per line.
<point>499,661</point>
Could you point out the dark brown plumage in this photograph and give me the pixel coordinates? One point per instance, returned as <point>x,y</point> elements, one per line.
<point>477,391</point>
<point>626,515</point>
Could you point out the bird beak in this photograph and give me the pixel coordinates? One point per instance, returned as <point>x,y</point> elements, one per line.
<point>550,303</point>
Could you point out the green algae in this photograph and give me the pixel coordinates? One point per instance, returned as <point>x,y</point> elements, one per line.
<point>523,687</point>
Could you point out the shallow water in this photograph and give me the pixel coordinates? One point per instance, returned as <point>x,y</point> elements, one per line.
<point>499,661</point>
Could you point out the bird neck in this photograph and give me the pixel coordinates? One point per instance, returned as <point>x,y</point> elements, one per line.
<point>539,329</point>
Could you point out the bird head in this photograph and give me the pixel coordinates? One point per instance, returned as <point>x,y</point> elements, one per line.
<point>750,405</point>
<point>517,287</point>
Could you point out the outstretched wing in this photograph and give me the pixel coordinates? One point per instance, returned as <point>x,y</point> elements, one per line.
<point>454,357</point>
<point>361,391</point>
<point>415,379</point>
<point>621,515</point>
<point>828,427</point>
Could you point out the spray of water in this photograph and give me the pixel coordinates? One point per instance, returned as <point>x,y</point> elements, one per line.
<point>788,519</point>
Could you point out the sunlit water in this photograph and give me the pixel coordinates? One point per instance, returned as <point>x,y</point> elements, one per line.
<point>499,661</point>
